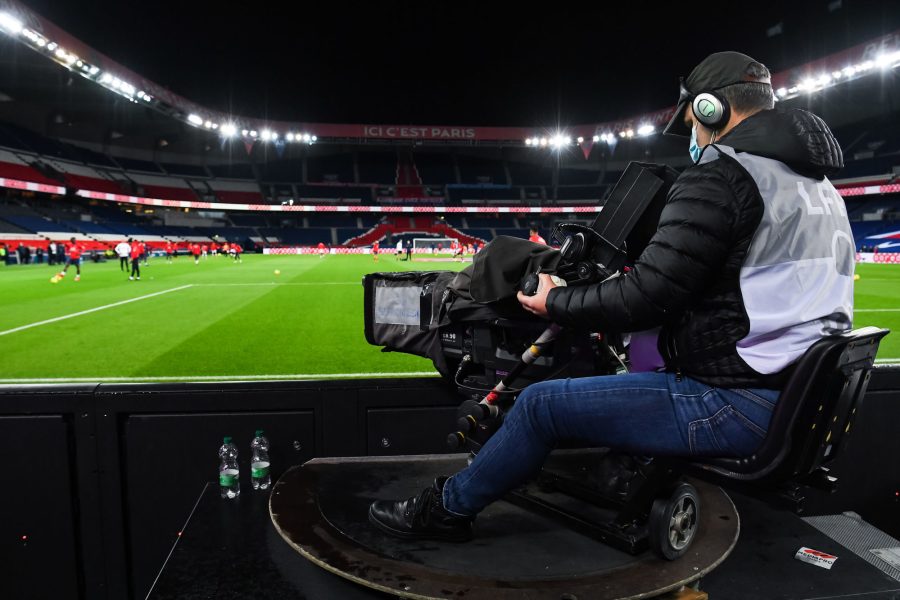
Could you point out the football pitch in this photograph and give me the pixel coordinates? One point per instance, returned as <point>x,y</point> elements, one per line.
<point>224,321</point>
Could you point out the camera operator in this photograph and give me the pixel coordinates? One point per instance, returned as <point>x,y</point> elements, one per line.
<point>752,262</point>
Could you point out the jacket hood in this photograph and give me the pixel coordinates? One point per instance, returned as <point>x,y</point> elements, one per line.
<point>796,137</point>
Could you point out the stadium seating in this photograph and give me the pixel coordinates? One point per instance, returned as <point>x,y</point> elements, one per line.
<point>435,168</point>
<point>232,171</point>
<point>577,177</point>
<point>133,164</point>
<point>481,170</point>
<point>378,167</point>
<point>527,174</point>
<point>333,169</point>
<point>182,169</point>
<point>365,176</point>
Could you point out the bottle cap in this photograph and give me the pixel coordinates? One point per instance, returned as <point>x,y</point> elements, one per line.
<point>226,439</point>
<point>259,432</point>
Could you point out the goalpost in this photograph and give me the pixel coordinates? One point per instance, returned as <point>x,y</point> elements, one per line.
<point>428,247</point>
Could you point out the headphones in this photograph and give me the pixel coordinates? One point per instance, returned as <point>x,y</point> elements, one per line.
<point>711,110</point>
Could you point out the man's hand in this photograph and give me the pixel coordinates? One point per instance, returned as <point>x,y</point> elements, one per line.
<point>537,304</point>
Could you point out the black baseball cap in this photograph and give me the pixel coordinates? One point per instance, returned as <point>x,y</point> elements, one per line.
<point>717,71</point>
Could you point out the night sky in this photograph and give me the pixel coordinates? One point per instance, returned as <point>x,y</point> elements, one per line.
<point>453,63</point>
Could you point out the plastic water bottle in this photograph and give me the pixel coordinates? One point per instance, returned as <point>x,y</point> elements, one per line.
<point>259,462</point>
<point>229,472</point>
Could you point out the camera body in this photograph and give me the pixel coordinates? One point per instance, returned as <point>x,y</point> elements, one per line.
<point>484,352</point>
<point>475,345</point>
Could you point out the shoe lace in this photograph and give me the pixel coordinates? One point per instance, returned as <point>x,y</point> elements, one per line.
<point>419,508</point>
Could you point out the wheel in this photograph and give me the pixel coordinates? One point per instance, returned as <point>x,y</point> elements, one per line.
<point>673,522</point>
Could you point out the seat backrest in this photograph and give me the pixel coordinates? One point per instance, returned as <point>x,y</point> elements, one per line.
<point>814,413</point>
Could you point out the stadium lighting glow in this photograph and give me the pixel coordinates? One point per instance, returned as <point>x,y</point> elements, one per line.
<point>208,124</point>
<point>35,38</point>
<point>596,138</point>
<point>52,46</point>
<point>543,142</point>
<point>94,70</point>
<point>10,23</point>
<point>646,129</point>
<point>274,135</point>
<point>289,137</point>
<point>314,138</point>
<point>253,133</point>
<point>306,137</point>
<point>228,130</point>
<point>527,141</point>
<point>266,135</point>
<point>781,92</point>
<point>195,119</point>
<point>580,140</point>
<point>887,60</point>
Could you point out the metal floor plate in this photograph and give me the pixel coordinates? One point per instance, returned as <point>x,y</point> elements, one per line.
<point>861,538</point>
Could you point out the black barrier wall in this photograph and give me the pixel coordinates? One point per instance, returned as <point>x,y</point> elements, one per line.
<point>101,478</point>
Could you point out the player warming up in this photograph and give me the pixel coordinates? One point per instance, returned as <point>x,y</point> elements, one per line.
<point>137,250</point>
<point>73,257</point>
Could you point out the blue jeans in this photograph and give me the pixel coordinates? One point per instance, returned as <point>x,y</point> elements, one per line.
<point>639,413</point>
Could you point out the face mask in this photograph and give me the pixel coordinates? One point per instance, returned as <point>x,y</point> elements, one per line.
<point>694,149</point>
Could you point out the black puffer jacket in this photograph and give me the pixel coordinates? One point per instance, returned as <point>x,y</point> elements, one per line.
<point>687,280</point>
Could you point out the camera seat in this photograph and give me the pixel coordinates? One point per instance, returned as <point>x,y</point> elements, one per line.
<point>810,424</point>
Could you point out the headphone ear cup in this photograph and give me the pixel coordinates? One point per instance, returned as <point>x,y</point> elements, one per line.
<point>711,110</point>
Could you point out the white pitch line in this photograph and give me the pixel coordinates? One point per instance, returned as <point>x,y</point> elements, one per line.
<point>877,310</point>
<point>275,283</point>
<point>93,310</point>
<point>201,378</point>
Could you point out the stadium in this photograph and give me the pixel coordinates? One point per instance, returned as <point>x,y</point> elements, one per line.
<point>177,268</point>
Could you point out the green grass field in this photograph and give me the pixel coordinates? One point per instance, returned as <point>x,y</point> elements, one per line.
<point>221,320</point>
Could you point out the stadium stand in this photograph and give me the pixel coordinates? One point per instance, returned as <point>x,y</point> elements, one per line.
<point>182,169</point>
<point>332,169</point>
<point>436,168</point>
<point>378,167</point>
<point>482,170</point>
<point>365,175</point>
<point>232,170</point>
<point>133,164</point>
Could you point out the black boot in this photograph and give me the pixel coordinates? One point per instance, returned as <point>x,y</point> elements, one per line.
<point>421,517</point>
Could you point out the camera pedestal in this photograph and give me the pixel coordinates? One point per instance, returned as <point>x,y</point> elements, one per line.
<point>321,510</point>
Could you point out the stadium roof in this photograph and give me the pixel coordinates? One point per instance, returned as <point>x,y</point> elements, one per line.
<point>60,103</point>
